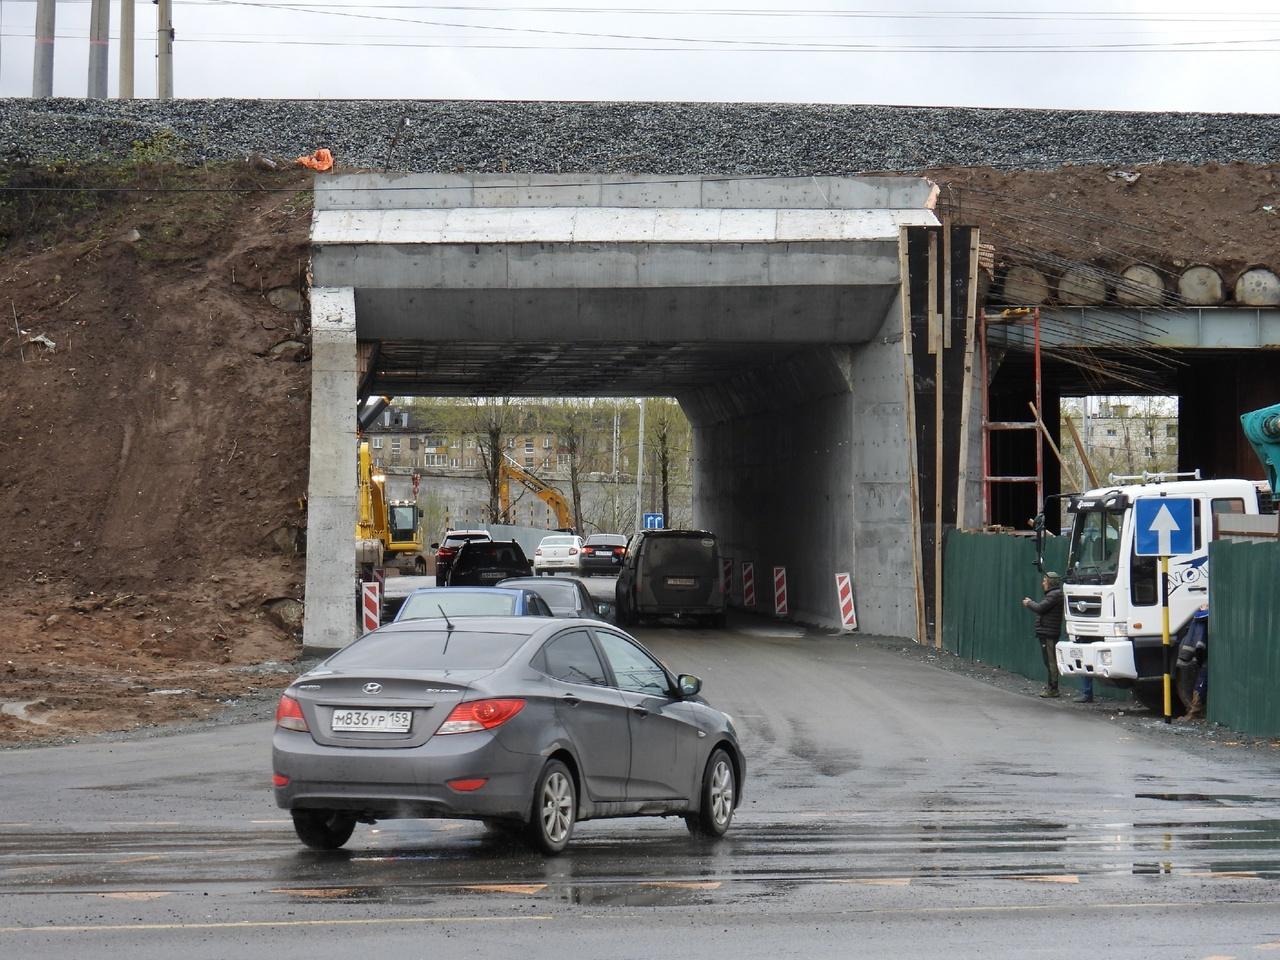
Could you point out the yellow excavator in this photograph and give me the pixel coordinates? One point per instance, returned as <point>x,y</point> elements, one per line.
<point>509,470</point>
<point>388,532</point>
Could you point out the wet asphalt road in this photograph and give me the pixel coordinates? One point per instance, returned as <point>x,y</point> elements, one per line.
<point>892,809</point>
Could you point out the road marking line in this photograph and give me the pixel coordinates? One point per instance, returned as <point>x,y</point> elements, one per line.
<point>140,859</point>
<point>1224,874</point>
<point>320,893</point>
<point>270,821</point>
<point>249,924</point>
<point>1048,878</point>
<point>1220,956</point>
<point>1273,945</point>
<point>528,889</point>
<point>683,884</point>
<point>136,895</point>
<point>877,881</point>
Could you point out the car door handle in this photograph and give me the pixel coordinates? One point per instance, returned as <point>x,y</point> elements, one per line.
<point>640,711</point>
<point>571,700</point>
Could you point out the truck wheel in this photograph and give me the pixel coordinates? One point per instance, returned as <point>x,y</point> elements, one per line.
<point>419,567</point>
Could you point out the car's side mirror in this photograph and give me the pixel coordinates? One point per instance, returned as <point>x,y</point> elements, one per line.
<point>689,685</point>
<point>435,546</point>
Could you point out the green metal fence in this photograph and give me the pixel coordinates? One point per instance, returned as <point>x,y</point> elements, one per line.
<point>985,577</point>
<point>1244,637</point>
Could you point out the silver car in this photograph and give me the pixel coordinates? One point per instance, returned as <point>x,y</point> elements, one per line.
<point>529,724</point>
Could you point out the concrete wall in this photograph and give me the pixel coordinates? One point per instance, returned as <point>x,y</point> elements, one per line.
<point>773,476</point>
<point>884,588</point>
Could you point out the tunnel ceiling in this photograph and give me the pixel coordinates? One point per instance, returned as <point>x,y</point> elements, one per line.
<point>415,368</point>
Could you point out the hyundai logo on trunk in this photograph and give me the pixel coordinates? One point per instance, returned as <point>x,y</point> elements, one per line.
<point>373,688</point>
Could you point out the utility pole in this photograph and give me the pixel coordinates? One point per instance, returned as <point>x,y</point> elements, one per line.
<point>640,470</point>
<point>164,50</point>
<point>616,415</point>
<point>42,74</point>
<point>127,32</point>
<point>99,47</point>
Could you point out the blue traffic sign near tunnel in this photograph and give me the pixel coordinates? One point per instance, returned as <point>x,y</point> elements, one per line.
<point>1164,526</point>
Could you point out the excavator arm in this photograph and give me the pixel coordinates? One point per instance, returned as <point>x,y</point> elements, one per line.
<point>1262,429</point>
<point>509,470</point>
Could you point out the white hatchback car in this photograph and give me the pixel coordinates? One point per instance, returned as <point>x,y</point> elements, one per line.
<point>559,551</point>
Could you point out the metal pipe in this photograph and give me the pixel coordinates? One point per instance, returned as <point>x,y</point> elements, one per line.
<point>42,72</point>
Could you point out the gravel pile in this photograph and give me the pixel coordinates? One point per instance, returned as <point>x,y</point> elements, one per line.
<point>688,138</point>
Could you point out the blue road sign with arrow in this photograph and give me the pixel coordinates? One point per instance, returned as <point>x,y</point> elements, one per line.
<point>653,521</point>
<point>1163,526</point>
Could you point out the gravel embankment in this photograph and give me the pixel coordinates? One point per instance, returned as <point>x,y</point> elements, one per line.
<point>686,138</point>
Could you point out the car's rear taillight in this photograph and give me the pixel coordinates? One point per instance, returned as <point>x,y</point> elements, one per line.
<point>619,551</point>
<point>289,715</point>
<point>445,553</point>
<point>474,715</point>
<point>573,551</point>
<point>537,552</point>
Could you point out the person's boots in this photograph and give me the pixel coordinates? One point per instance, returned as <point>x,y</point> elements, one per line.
<point>1049,693</point>
<point>1196,710</point>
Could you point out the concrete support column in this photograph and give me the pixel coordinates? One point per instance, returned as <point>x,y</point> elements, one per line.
<point>884,582</point>
<point>331,489</point>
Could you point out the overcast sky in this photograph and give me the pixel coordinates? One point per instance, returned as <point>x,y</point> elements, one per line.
<point>1109,54</point>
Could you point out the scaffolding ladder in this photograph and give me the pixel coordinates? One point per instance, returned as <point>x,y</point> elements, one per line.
<point>1009,316</point>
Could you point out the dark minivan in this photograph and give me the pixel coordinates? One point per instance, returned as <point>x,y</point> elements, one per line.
<point>482,563</point>
<point>671,573</point>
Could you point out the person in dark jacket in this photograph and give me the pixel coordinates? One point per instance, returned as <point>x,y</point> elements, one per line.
<point>1048,628</point>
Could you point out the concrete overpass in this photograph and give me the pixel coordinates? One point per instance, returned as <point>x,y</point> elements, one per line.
<point>768,306</point>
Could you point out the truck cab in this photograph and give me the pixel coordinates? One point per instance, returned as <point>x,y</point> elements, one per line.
<point>1111,596</point>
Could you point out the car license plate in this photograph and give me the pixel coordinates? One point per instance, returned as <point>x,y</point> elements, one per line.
<point>1074,653</point>
<point>492,576</point>
<point>681,582</point>
<point>383,721</point>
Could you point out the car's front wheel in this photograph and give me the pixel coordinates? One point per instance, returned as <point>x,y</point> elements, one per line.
<point>323,829</point>
<point>555,805</point>
<point>719,793</point>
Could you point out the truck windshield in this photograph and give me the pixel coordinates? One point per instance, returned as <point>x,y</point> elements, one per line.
<point>1095,546</point>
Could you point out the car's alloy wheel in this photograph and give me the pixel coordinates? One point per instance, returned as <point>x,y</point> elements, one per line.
<point>719,793</point>
<point>554,808</point>
<point>323,829</point>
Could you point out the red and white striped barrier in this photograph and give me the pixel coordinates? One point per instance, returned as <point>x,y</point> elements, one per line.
<point>370,606</point>
<point>844,596</point>
<point>748,583</point>
<point>726,576</point>
<point>780,591</point>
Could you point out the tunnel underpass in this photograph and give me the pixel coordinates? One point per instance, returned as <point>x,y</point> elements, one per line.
<point>769,307</point>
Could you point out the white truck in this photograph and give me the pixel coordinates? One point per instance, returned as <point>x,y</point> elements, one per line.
<point>1112,596</point>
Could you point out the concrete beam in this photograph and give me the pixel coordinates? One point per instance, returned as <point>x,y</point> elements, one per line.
<point>373,191</point>
<point>1230,328</point>
<point>709,315</point>
<point>330,621</point>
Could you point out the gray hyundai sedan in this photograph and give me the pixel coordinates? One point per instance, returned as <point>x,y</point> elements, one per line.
<point>528,724</point>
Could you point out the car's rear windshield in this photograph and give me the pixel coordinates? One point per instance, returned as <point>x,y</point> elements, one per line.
<point>685,551</point>
<point>560,597</point>
<point>488,552</point>
<point>613,539</point>
<point>458,603</point>
<point>427,650</point>
<point>557,541</point>
<point>460,538</point>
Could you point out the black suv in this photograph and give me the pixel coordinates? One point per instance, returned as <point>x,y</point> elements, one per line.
<point>671,573</point>
<point>482,563</point>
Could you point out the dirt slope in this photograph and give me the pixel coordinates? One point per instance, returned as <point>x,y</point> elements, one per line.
<point>155,457</point>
